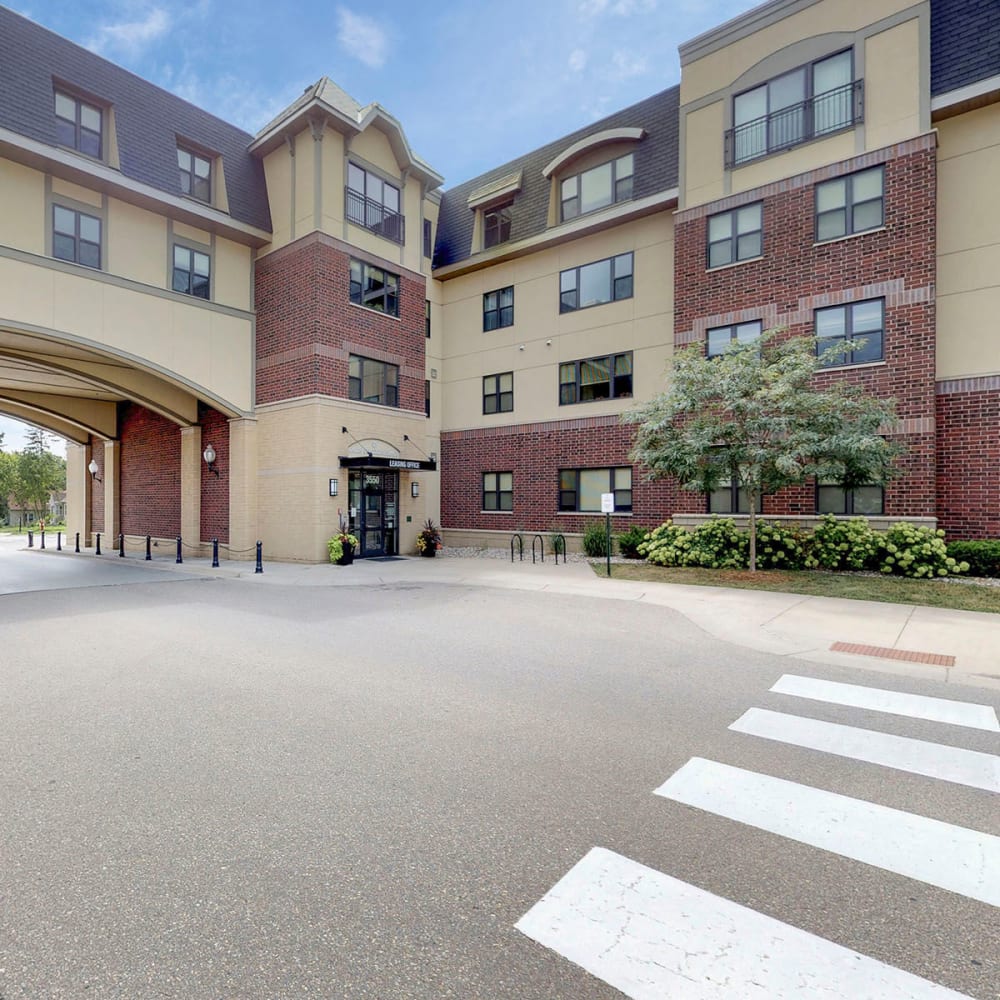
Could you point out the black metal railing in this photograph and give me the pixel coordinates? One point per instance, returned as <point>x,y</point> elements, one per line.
<point>374,216</point>
<point>813,118</point>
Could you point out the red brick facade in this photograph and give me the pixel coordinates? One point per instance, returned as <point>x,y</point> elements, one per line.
<point>535,453</point>
<point>97,488</point>
<point>307,326</point>
<point>150,473</point>
<point>214,488</point>
<point>795,276</point>
<point>968,483</point>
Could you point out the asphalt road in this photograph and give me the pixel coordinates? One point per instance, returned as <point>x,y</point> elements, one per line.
<point>215,790</point>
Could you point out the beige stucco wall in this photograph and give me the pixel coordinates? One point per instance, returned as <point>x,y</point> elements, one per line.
<point>137,244</point>
<point>278,178</point>
<point>893,85</point>
<point>232,282</point>
<point>334,181</point>
<point>22,221</point>
<point>704,76</point>
<point>205,347</point>
<point>642,324</point>
<point>968,244</point>
<point>891,57</point>
<point>299,449</point>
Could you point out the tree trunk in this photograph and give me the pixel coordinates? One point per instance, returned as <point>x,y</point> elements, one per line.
<point>752,498</point>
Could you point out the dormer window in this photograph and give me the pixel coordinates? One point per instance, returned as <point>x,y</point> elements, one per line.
<point>496,225</point>
<point>79,125</point>
<point>195,174</point>
<point>592,189</point>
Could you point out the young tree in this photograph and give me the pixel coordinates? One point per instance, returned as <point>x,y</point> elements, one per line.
<point>754,415</point>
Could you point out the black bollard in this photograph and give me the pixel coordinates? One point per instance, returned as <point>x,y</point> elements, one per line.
<point>98,552</point>
<point>31,539</point>
<point>58,541</point>
<point>215,553</point>
<point>180,558</point>
<point>78,541</point>
<point>260,558</point>
<point>121,546</point>
<point>42,533</point>
<point>149,555</point>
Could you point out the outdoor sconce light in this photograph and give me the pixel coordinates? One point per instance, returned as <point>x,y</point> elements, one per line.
<point>93,469</point>
<point>414,490</point>
<point>334,485</point>
<point>209,455</point>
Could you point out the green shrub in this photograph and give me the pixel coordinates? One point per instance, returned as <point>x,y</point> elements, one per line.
<point>780,547</point>
<point>719,544</point>
<point>907,550</point>
<point>629,542</point>
<point>595,540</point>
<point>839,544</point>
<point>557,544</point>
<point>665,545</point>
<point>983,557</point>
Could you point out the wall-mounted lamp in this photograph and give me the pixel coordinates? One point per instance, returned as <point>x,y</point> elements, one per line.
<point>209,455</point>
<point>521,348</point>
<point>334,485</point>
<point>93,469</point>
<point>414,490</point>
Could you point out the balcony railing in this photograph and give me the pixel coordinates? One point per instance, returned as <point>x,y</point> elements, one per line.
<point>810,119</point>
<point>374,216</point>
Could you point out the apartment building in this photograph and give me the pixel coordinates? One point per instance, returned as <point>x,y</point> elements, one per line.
<point>250,337</point>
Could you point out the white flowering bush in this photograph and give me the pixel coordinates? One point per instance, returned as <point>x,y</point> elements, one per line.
<point>908,550</point>
<point>780,547</point>
<point>665,545</point>
<point>839,544</point>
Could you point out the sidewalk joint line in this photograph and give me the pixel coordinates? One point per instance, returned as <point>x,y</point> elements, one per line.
<point>902,628</point>
<point>785,611</point>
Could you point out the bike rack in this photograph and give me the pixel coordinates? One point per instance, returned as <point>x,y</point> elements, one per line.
<point>520,544</point>
<point>557,541</point>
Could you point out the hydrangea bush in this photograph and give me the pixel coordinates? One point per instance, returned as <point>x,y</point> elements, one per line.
<point>908,550</point>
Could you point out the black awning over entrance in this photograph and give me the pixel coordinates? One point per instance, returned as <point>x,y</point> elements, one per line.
<point>377,462</point>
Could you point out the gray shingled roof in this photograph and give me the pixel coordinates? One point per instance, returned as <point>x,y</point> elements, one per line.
<point>655,170</point>
<point>965,43</point>
<point>148,120</point>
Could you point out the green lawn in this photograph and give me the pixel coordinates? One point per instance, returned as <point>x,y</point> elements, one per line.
<point>888,589</point>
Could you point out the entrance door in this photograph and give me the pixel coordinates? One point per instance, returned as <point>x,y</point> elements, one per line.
<point>373,496</point>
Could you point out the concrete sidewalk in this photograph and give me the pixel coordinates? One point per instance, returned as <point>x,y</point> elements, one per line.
<point>785,624</point>
<point>955,646</point>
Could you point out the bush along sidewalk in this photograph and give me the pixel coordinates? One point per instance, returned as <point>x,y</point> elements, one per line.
<point>983,557</point>
<point>903,550</point>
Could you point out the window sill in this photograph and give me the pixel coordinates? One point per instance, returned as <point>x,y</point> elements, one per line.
<point>849,236</point>
<point>506,513</point>
<point>591,513</point>
<point>735,263</point>
<point>860,364</point>
<point>378,312</point>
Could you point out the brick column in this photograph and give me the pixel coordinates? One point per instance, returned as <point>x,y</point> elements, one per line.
<point>191,462</point>
<point>243,526</point>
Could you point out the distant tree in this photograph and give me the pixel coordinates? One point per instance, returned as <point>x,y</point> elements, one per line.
<point>8,474</point>
<point>754,415</point>
<point>38,474</point>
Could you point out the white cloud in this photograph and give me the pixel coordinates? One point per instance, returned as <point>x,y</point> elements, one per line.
<point>625,65</point>
<point>620,8</point>
<point>129,38</point>
<point>577,60</point>
<point>362,37</point>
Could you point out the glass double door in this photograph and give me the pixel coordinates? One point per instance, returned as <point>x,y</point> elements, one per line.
<point>374,500</point>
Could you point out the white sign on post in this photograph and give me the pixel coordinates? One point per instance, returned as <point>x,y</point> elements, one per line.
<point>607,503</point>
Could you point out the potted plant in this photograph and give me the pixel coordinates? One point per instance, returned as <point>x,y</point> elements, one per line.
<point>341,547</point>
<point>429,539</point>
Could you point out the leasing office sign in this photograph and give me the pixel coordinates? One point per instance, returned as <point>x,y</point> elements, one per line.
<point>378,462</point>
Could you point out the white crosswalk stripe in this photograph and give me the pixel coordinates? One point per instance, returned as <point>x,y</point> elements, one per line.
<point>950,857</point>
<point>932,760</point>
<point>914,706</point>
<point>656,938</point>
<point>652,936</point>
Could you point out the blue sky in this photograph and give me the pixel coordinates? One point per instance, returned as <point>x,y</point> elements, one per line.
<point>474,83</point>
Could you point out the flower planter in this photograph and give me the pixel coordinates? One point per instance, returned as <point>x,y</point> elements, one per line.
<point>347,558</point>
<point>429,551</point>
